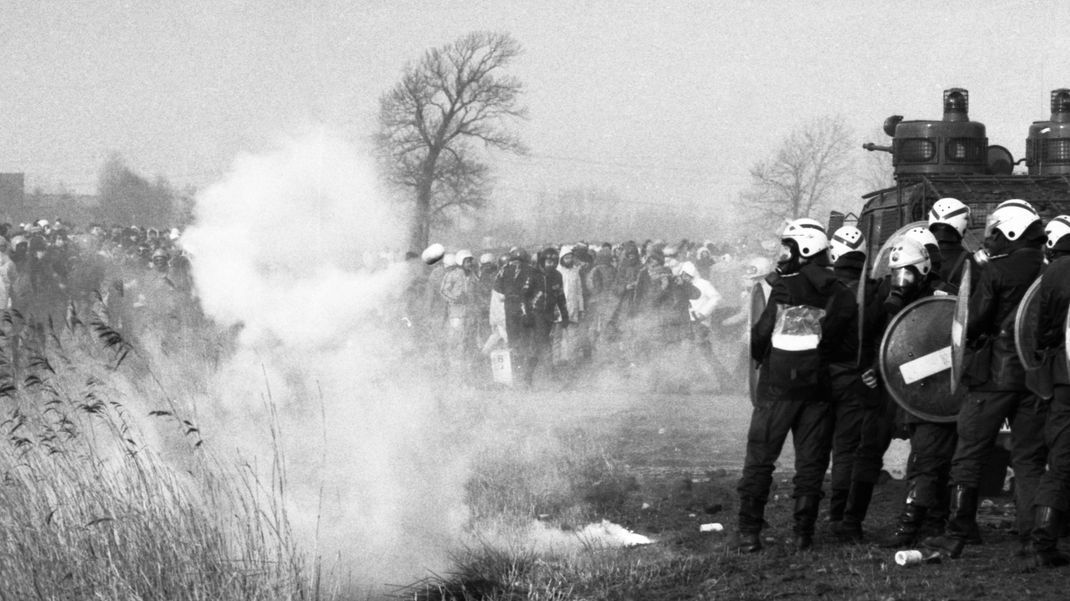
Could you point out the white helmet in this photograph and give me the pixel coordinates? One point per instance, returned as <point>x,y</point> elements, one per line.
<point>566,249</point>
<point>486,258</point>
<point>951,211</point>
<point>808,235</point>
<point>433,253</point>
<point>909,251</point>
<point>461,255</point>
<point>922,235</point>
<point>1011,217</point>
<point>844,240</point>
<point>1056,229</point>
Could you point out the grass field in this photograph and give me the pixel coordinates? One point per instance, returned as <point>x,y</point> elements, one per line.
<point>109,492</point>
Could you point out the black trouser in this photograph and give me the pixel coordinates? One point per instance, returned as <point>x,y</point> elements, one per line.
<point>875,435</point>
<point>807,415</point>
<point>859,427</point>
<point>520,336</point>
<point>978,424</point>
<point>1054,488</point>
<point>541,344</point>
<point>931,447</point>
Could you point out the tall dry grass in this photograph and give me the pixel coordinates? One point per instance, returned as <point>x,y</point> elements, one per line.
<point>89,506</point>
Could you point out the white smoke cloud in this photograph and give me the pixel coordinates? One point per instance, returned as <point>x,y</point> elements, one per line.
<point>279,248</point>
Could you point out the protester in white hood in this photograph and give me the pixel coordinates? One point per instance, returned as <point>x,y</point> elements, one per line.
<point>567,340</point>
<point>703,306</point>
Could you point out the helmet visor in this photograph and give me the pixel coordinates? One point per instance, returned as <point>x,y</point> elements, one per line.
<point>786,253</point>
<point>903,277</point>
<point>990,225</point>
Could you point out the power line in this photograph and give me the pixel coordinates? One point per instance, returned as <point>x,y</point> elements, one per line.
<point>705,174</point>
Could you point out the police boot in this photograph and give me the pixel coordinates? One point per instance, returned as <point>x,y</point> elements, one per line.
<point>850,530</point>
<point>909,524</point>
<point>751,520</point>
<point>961,523</point>
<point>837,504</point>
<point>805,518</point>
<point>1047,526</point>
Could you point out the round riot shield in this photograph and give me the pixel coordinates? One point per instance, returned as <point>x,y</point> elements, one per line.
<point>1025,327</point>
<point>879,265</point>
<point>1066,341</point>
<point>757,306</point>
<point>860,302</point>
<point>958,328</point>
<point>915,356</point>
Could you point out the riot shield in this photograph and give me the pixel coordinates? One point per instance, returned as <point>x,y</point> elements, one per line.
<point>860,302</point>
<point>1037,378</point>
<point>757,306</point>
<point>915,355</point>
<point>1025,327</point>
<point>1066,341</point>
<point>958,328</point>
<point>879,265</point>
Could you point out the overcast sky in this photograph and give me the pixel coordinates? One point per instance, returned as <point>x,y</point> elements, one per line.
<point>660,101</point>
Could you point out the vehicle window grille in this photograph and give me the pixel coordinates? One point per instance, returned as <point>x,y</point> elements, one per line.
<point>889,222</point>
<point>963,150</point>
<point>1057,151</point>
<point>915,150</point>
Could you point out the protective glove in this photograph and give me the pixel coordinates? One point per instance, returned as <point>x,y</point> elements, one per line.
<point>869,378</point>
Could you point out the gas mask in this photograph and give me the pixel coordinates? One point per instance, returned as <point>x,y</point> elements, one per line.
<point>788,261</point>
<point>996,244</point>
<point>905,282</point>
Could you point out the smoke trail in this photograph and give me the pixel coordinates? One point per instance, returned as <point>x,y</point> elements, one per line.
<point>280,250</point>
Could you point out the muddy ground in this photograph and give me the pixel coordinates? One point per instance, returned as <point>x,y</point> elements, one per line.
<point>676,457</point>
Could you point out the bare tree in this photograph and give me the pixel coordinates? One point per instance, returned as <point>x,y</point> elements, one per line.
<point>432,122</point>
<point>805,173</point>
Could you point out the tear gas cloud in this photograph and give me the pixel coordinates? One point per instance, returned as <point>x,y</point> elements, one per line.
<point>279,250</point>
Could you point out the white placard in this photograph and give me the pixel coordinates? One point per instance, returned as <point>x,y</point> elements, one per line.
<point>926,365</point>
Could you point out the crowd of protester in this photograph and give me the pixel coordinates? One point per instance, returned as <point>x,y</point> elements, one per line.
<point>51,272</point>
<point>559,308</point>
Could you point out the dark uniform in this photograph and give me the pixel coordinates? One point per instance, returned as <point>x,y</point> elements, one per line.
<point>547,293</point>
<point>932,444</point>
<point>870,415</point>
<point>996,391</point>
<point>856,405</point>
<point>514,283</point>
<point>1052,500</point>
<point>793,396</point>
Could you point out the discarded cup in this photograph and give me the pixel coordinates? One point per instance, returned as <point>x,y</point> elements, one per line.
<point>713,527</point>
<point>915,557</point>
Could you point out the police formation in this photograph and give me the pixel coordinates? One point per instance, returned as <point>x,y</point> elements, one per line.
<point>821,350</point>
<point>548,315</point>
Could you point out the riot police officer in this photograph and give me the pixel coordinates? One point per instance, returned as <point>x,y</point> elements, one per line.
<point>995,378</point>
<point>932,444</point>
<point>805,319</point>
<point>854,401</point>
<point>1053,493</point>
<point>948,220</point>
